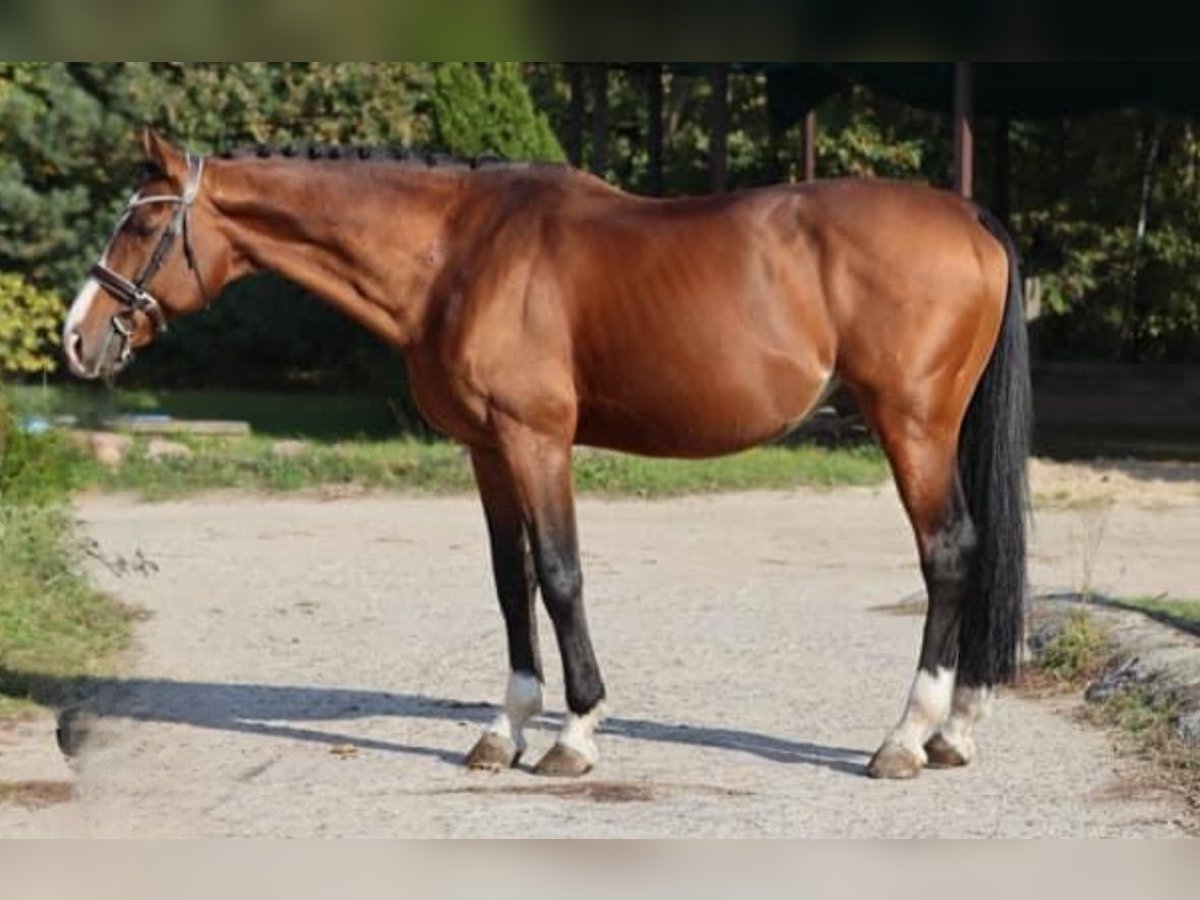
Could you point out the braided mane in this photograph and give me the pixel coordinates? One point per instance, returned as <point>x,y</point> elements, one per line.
<point>368,153</point>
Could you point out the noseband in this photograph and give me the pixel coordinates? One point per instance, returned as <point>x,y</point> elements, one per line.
<point>132,294</point>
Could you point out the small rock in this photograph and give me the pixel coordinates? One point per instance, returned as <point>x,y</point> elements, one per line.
<point>109,449</point>
<point>159,448</point>
<point>1129,674</point>
<point>288,449</point>
<point>1188,727</point>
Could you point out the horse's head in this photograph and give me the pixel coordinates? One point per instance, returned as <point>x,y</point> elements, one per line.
<point>165,259</point>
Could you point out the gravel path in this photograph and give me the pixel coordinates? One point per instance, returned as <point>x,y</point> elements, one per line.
<point>316,667</point>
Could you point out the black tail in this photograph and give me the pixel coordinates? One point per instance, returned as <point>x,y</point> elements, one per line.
<point>992,453</point>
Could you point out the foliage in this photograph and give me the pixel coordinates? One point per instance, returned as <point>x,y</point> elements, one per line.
<point>35,469</point>
<point>29,322</point>
<point>439,467</point>
<point>478,113</point>
<point>861,134</point>
<point>1075,198</point>
<point>1078,651</point>
<point>53,626</point>
<point>1174,609</point>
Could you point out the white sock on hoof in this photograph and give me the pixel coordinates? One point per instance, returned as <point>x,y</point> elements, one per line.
<point>971,706</point>
<point>928,706</point>
<point>522,701</point>
<point>577,731</point>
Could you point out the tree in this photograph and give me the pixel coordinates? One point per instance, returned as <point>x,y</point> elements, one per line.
<point>29,320</point>
<point>478,111</point>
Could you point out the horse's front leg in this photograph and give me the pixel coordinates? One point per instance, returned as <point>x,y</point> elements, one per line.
<point>540,466</point>
<point>503,741</point>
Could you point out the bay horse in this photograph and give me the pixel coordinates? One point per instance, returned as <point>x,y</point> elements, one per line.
<point>537,308</point>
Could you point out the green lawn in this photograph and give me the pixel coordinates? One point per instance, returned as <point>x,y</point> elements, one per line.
<point>1172,609</point>
<point>255,463</point>
<point>352,440</point>
<point>54,627</point>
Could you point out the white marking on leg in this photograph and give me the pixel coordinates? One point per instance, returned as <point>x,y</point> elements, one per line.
<point>576,733</point>
<point>522,701</point>
<point>928,706</point>
<point>971,706</point>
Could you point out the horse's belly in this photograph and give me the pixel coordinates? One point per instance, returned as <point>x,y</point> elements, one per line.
<point>705,418</point>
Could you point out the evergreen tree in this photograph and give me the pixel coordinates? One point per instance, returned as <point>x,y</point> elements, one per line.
<point>489,111</point>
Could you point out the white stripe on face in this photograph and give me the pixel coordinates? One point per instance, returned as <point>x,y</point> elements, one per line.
<point>76,316</point>
<point>82,304</point>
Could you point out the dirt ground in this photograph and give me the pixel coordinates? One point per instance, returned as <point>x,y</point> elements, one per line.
<point>318,667</point>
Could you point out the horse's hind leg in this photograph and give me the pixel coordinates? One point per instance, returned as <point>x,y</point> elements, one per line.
<point>924,457</point>
<point>503,740</point>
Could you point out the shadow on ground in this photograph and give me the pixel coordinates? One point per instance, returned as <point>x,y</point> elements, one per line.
<point>276,711</point>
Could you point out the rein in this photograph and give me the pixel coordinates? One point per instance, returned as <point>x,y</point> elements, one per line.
<point>133,293</point>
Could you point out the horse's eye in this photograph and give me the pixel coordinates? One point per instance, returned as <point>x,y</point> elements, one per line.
<point>148,170</point>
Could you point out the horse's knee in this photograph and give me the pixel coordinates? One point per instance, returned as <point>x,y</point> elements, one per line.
<point>562,582</point>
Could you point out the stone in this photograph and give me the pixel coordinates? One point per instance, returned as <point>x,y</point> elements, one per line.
<point>288,449</point>
<point>1188,727</point>
<point>159,449</point>
<point>1128,675</point>
<point>109,449</point>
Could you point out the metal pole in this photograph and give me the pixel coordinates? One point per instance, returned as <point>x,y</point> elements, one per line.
<point>964,137</point>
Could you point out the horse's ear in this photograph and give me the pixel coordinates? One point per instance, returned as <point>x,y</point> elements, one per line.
<point>158,150</point>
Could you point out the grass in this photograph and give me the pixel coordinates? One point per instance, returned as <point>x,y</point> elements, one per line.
<point>257,464</point>
<point>348,441</point>
<point>1077,653</point>
<point>1145,722</point>
<point>344,443</point>
<point>54,627</point>
<point>1143,719</point>
<point>1185,613</point>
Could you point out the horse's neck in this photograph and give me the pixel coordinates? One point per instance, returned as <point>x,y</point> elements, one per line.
<point>368,241</point>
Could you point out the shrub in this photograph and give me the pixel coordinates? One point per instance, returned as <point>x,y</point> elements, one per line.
<point>29,322</point>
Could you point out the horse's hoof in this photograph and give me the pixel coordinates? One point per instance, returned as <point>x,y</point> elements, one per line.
<point>561,761</point>
<point>941,754</point>
<point>492,753</point>
<point>894,761</point>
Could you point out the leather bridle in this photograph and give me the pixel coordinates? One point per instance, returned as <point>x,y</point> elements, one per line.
<point>133,294</point>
